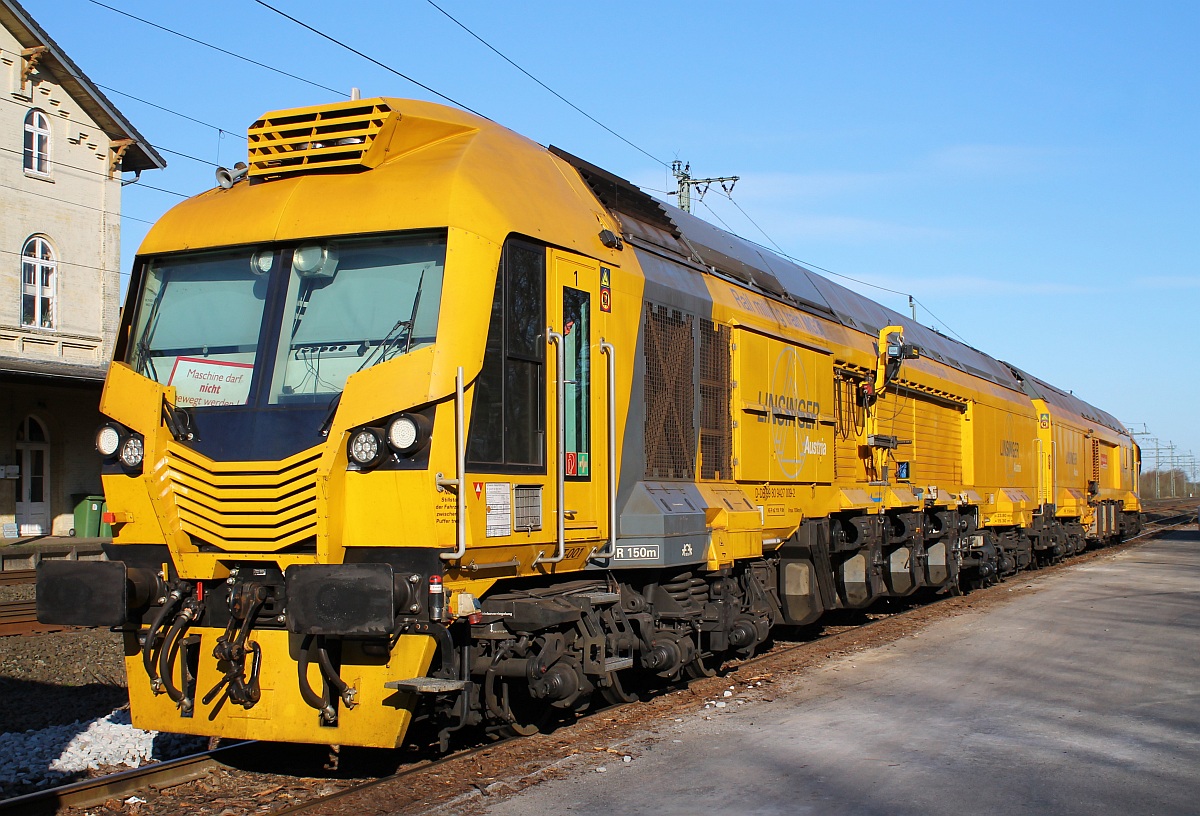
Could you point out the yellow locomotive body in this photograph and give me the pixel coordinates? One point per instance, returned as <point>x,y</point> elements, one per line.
<point>425,420</point>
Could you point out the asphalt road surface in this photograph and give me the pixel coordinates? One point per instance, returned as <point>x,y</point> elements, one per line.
<point>1082,697</point>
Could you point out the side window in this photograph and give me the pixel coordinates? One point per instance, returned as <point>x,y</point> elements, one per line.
<point>508,417</point>
<point>578,376</point>
<point>37,143</point>
<point>39,271</point>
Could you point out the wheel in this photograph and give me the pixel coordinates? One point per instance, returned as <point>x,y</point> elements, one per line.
<point>702,667</point>
<point>527,715</point>
<point>614,693</point>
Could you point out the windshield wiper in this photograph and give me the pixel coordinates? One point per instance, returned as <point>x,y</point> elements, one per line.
<point>389,340</point>
<point>333,406</point>
<point>143,361</point>
<point>412,318</point>
<point>142,347</point>
<point>393,336</point>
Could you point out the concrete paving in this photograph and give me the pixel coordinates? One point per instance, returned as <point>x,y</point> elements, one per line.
<point>1082,697</point>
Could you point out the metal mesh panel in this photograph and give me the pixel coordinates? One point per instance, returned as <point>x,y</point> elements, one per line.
<point>670,429</point>
<point>527,507</point>
<point>716,442</point>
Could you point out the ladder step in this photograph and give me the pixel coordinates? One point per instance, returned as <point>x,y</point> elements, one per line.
<point>612,664</point>
<point>426,685</point>
<point>601,597</point>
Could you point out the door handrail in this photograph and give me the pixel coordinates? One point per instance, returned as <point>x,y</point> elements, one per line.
<point>460,462</point>
<point>610,548</point>
<point>560,409</point>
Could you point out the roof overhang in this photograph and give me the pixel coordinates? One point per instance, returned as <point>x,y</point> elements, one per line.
<point>140,155</point>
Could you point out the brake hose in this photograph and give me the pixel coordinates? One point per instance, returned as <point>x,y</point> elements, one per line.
<point>148,647</point>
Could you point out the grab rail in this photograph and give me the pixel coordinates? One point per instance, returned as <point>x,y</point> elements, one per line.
<point>560,408</point>
<point>460,495</point>
<point>610,548</point>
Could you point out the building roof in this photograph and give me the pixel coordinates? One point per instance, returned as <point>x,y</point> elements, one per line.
<point>40,370</point>
<point>141,155</point>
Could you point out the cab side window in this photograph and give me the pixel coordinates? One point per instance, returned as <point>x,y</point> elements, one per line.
<point>508,423</point>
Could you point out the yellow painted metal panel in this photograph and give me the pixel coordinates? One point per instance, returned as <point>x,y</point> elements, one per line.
<point>380,718</point>
<point>783,397</point>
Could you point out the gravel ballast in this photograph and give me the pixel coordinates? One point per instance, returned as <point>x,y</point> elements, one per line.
<point>61,753</point>
<point>62,711</point>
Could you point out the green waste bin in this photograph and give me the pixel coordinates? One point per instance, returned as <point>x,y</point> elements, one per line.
<point>105,527</point>
<point>88,512</point>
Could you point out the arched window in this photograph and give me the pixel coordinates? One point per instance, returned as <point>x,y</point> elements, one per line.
<point>39,269</point>
<point>37,143</point>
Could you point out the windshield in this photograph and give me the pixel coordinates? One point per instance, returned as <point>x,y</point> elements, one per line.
<point>284,324</point>
<point>366,304</point>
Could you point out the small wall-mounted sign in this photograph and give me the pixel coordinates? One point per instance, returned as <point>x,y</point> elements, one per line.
<point>12,471</point>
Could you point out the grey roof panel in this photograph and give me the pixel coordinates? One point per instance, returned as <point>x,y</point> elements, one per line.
<point>1040,389</point>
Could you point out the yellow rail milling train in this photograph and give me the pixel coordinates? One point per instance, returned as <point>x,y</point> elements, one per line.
<point>420,419</point>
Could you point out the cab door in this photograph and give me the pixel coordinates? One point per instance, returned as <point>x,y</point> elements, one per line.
<point>577,398</point>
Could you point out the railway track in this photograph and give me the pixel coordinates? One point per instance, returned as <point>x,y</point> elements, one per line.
<point>17,577</point>
<point>20,617</point>
<point>91,792</point>
<point>164,776</point>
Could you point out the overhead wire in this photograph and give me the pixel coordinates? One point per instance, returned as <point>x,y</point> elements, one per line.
<point>76,203</point>
<point>727,193</point>
<point>367,57</point>
<point>29,106</point>
<point>780,250</point>
<point>453,101</point>
<point>60,262</point>
<point>173,112</point>
<point>227,52</point>
<point>559,96</point>
<point>90,171</point>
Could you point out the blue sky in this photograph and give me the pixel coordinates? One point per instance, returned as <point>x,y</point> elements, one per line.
<point>1030,172</point>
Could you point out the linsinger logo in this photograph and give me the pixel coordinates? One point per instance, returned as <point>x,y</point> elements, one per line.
<point>1010,449</point>
<point>787,410</point>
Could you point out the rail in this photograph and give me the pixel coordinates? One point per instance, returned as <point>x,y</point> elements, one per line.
<point>91,792</point>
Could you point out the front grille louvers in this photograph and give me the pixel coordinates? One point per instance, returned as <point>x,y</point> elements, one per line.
<point>235,508</point>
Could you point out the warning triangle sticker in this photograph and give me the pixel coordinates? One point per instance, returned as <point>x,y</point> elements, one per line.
<point>478,489</point>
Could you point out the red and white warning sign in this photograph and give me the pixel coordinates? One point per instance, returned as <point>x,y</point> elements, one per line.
<point>201,383</point>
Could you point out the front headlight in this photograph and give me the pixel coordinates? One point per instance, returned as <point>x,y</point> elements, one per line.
<point>132,452</point>
<point>366,448</point>
<point>408,433</point>
<point>108,440</point>
<point>402,433</point>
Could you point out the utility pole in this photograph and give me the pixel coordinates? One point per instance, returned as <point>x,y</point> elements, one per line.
<point>1171,460</point>
<point>1145,431</point>
<point>685,181</point>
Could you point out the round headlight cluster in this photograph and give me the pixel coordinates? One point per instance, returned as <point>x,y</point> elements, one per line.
<point>116,442</point>
<point>402,433</point>
<point>108,440</point>
<point>132,452</point>
<point>408,433</point>
<point>366,448</point>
